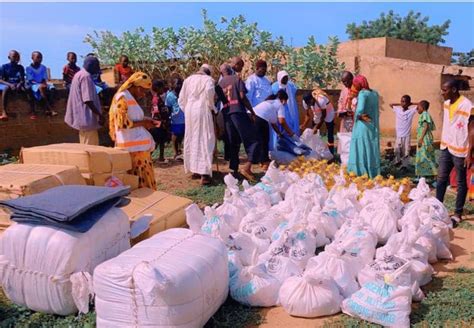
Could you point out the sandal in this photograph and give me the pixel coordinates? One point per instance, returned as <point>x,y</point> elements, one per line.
<point>195,176</point>
<point>455,220</point>
<point>33,117</point>
<point>249,176</point>
<point>206,180</point>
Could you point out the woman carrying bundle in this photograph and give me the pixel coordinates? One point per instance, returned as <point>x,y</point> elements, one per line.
<point>128,127</point>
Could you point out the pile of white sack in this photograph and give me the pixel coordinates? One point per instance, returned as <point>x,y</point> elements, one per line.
<point>374,252</point>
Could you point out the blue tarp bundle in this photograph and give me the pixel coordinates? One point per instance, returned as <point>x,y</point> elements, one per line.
<point>292,146</point>
<point>75,208</point>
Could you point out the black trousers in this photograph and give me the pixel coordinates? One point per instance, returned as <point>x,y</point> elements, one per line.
<point>240,129</point>
<point>263,136</point>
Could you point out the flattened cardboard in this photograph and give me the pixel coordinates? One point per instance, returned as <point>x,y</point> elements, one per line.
<point>167,210</point>
<point>89,159</point>
<point>18,180</point>
<point>99,179</point>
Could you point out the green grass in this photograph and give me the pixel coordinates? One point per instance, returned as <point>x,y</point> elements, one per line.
<point>448,303</point>
<point>235,315</point>
<point>208,195</point>
<point>12,315</point>
<point>450,200</point>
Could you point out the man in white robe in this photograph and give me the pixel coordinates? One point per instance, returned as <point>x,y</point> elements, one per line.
<point>197,101</point>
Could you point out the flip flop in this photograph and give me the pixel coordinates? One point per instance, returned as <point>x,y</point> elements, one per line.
<point>249,177</point>
<point>205,181</point>
<point>4,118</point>
<point>33,117</point>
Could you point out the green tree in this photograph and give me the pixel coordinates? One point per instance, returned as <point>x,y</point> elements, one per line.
<point>463,58</point>
<point>166,51</point>
<point>412,27</point>
<point>315,65</point>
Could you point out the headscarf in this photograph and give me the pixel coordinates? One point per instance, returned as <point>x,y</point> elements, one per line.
<point>318,92</point>
<point>138,79</point>
<point>358,83</point>
<point>280,76</point>
<point>92,65</point>
<point>225,69</point>
<point>205,69</point>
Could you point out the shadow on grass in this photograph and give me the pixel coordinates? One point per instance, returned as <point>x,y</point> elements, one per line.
<point>235,315</point>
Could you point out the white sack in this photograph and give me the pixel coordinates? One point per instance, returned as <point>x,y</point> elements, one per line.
<point>174,279</point>
<point>255,287</point>
<point>331,265</point>
<point>314,141</point>
<point>310,296</point>
<point>37,262</point>
<point>282,267</point>
<point>385,303</point>
<point>344,146</point>
<point>245,249</point>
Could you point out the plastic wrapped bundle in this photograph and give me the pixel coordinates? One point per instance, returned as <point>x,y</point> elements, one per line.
<point>174,279</point>
<point>49,269</point>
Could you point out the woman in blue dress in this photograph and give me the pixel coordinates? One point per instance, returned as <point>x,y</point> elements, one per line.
<point>364,156</point>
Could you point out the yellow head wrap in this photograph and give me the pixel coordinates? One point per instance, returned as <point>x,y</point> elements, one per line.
<point>138,79</point>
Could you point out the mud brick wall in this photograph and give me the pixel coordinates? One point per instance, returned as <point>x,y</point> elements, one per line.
<point>20,131</point>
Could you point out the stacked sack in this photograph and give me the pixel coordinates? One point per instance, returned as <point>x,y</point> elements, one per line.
<point>47,257</point>
<point>374,252</point>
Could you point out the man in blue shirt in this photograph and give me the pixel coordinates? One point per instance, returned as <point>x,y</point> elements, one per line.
<point>12,79</point>
<point>177,115</point>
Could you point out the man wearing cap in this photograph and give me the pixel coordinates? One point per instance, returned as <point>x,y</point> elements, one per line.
<point>83,111</point>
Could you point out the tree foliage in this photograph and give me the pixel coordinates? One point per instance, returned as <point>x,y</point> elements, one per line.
<point>166,51</point>
<point>412,27</point>
<point>463,58</point>
<point>315,64</point>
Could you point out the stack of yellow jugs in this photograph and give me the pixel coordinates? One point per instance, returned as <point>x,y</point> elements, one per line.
<point>327,171</point>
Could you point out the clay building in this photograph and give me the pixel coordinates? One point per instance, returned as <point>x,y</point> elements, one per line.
<point>396,67</point>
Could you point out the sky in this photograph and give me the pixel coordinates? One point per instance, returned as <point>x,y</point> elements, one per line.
<point>56,28</point>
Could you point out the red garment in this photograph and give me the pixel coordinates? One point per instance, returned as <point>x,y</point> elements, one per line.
<point>358,83</point>
<point>124,72</point>
<point>470,182</point>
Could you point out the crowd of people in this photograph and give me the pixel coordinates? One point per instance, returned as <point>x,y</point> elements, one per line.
<point>256,113</point>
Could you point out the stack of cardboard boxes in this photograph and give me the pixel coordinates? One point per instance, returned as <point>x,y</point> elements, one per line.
<point>49,166</point>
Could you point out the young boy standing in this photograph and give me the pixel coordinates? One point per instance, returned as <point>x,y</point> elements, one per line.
<point>404,113</point>
<point>177,115</point>
<point>70,69</point>
<point>160,112</point>
<point>12,79</point>
<point>123,71</point>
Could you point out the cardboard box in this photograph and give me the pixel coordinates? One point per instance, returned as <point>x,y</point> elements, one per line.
<point>99,179</point>
<point>89,159</point>
<point>167,210</point>
<point>18,180</point>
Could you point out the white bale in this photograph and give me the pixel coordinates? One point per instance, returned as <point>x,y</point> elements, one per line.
<point>174,279</point>
<point>48,269</point>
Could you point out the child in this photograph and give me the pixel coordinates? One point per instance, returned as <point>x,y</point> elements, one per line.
<point>122,70</point>
<point>12,79</point>
<point>70,69</point>
<point>37,83</point>
<point>404,113</point>
<point>160,113</point>
<point>101,87</point>
<point>177,115</point>
<point>426,165</point>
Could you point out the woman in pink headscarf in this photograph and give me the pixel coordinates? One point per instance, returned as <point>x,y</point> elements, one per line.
<point>364,156</point>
